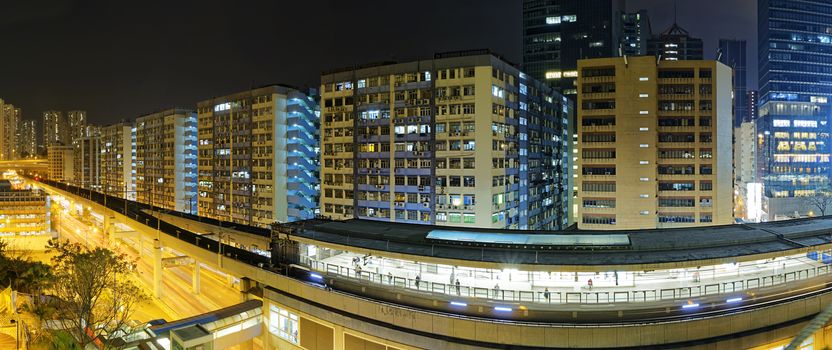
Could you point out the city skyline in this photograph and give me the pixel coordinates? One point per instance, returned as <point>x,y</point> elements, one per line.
<point>91,75</point>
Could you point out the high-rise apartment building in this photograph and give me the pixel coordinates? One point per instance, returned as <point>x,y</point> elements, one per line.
<point>674,44</point>
<point>28,139</point>
<point>635,33</point>
<point>746,185</point>
<point>9,122</point>
<point>117,160</point>
<point>795,86</point>
<point>464,139</point>
<point>557,33</point>
<point>166,160</point>
<point>258,156</point>
<point>61,164</point>
<point>732,54</point>
<point>55,129</point>
<point>77,123</point>
<point>655,145</point>
<point>86,162</point>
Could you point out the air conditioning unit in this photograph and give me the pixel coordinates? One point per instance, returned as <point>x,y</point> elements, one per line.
<point>421,188</point>
<point>426,204</point>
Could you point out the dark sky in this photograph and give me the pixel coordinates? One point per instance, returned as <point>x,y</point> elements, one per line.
<point>121,59</point>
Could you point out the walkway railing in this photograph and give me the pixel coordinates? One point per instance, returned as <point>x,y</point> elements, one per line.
<point>586,296</point>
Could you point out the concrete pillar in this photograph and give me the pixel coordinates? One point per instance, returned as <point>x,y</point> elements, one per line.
<point>157,268</point>
<point>195,282</point>
<point>246,345</point>
<point>107,229</point>
<point>243,287</point>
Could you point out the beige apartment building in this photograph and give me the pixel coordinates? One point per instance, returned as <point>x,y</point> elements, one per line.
<point>257,161</point>
<point>166,159</point>
<point>117,159</point>
<point>654,144</point>
<point>61,163</point>
<point>86,157</point>
<point>463,140</point>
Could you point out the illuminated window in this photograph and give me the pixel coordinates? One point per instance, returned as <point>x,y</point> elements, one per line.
<point>643,79</point>
<point>643,95</point>
<point>569,18</point>
<point>552,20</point>
<point>782,123</point>
<point>553,75</point>
<point>283,324</point>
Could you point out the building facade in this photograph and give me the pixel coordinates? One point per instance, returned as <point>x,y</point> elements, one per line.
<point>258,156</point>
<point>9,122</point>
<point>655,146</point>
<point>674,44</point>
<point>166,160</point>
<point>635,33</point>
<point>117,160</point>
<point>23,213</point>
<point>794,110</point>
<point>462,140</point>
<point>795,154</point>
<point>753,103</point>
<point>557,33</point>
<point>792,37</point>
<point>732,54</point>
<point>61,164</point>
<point>87,162</point>
<point>28,139</point>
<point>55,129</point>
<point>77,124</point>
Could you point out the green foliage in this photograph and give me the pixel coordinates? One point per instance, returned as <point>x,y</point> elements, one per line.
<point>22,273</point>
<point>93,293</point>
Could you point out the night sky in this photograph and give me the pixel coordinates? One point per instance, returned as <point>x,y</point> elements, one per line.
<point>119,60</point>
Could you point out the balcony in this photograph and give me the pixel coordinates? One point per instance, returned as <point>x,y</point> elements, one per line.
<point>590,128</point>
<point>677,128</point>
<point>596,160</point>
<point>609,177</point>
<point>599,79</point>
<point>598,111</point>
<point>598,95</point>
<point>675,80</point>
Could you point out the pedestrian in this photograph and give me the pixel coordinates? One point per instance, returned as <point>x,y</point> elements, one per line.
<point>457,286</point>
<point>696,276</point>
<point>616,278</point>
<point>418,279</point>
<point>546,294</point>
<point>496,290</point>
<point>589,283</point>
<point>389,277</point>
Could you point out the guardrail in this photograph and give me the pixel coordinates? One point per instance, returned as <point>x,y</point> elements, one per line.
<point>561,297</point>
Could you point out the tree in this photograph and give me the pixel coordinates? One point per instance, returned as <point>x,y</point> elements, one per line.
<point>93,295</point>
<point>821,200</point>
<point>21,272</point>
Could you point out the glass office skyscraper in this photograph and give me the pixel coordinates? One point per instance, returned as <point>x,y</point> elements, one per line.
<point>557,33</point>
<point>795,85</point>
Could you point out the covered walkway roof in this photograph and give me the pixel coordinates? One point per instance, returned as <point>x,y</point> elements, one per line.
<point>576,247</point>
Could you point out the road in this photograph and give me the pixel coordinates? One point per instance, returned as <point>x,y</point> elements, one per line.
<point>177,300</point>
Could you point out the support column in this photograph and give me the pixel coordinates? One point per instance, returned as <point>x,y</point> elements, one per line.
<point>243,287</point>
<point>111,234</point>
<point>157,268</point>
<point>195,281</point>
